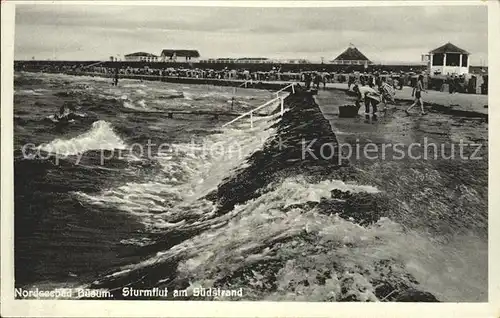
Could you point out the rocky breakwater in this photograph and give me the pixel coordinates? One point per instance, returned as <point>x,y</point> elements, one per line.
<point>298,149</point>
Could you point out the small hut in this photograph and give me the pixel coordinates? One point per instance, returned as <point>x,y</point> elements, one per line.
<point>449,59</point>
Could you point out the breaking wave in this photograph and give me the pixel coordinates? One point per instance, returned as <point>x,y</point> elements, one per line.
<point>189,171</point>
<point>100,137</point>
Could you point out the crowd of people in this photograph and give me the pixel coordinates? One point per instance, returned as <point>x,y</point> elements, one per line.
<point>378,90</point>
<point>310,78</point>
<point>274,74</point>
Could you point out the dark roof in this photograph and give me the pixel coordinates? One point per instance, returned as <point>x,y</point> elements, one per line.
<point>140,54</point>
<point>181,53</point>
<point>351,54</point>
<point>449,48</point>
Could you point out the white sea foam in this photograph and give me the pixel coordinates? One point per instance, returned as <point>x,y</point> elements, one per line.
<point>248,234</point>
<point>29,92</point>
<point>190,171</point>
<point>100,136</point>
<point>263,230</point>
<point>140,105</point>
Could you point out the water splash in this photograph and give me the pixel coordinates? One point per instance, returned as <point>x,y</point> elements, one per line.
<point>100,136</point>
<point>189,171</point>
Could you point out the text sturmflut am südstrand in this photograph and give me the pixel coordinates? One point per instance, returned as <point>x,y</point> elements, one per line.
<point>195,292</point>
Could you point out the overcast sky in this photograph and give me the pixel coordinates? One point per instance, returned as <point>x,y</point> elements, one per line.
<point>382,33</point>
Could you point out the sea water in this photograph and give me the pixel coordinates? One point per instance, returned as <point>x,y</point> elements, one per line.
<point>146,219</point>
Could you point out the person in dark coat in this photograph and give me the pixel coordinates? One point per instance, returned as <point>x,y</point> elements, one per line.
<point>350,82</point>
<point>115,80</point>
<point>307,80</point>
<point>451,84</point>
<point>317,80</point>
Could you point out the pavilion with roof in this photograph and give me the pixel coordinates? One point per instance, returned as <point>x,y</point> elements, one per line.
<point>448,59</point>
<point>351,56</point>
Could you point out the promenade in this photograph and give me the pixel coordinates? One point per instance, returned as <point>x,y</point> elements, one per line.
<point>466,102</point>
<point>456,101</point>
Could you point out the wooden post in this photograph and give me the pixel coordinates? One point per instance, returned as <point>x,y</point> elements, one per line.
<point>293,88</point>
<point>251,120</point>
<point>431,59</point>
<point>282,105</point>
<point>444,64</point>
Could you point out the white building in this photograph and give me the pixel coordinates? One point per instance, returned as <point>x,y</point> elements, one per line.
<point>141,57</point>
<point>169,55</point>
<point>447,60</point>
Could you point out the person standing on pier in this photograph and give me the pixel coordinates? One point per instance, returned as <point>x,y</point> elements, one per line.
<point>417,92</point>
<point>316,80</point>
<point>350,81</point>
<point>369,96</point>
<point>307,80</point>
<point>115,80</point>
<point>387,93</point>
<point>401,80</point>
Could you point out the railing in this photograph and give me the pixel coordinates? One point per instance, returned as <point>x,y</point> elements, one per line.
<point>250,113</point>
<point>278,97</point>
<point>284,88</point>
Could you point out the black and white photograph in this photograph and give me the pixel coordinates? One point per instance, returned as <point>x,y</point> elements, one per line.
<point>249,153</point>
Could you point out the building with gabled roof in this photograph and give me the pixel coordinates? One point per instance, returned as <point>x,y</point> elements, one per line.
<point>448,59</point>
<point>141,56</point>
<point>449,48</point>
<point>351,56</point>
<point>171,55</point>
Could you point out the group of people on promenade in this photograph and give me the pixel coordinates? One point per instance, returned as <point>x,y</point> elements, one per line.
<point>377,90</point>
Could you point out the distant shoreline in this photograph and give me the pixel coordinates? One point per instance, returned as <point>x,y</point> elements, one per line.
<point>253,67</point>
<point>467,105</point>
